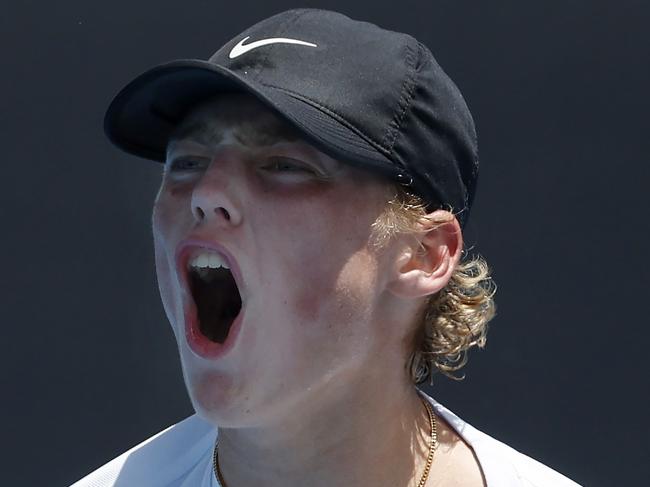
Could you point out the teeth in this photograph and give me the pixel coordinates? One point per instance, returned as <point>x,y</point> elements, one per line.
<point>214,261</point>
<point>202,261</point>
<point>207,260</point>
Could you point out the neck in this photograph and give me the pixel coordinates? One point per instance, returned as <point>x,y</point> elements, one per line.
<point>373,434</point>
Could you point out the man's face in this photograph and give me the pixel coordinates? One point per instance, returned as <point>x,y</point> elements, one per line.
<point>294,225</point>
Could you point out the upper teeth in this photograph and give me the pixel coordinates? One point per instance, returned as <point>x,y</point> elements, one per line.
<point>208,259</point>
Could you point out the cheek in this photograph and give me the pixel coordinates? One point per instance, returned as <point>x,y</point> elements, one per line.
<point>161,226</point>
<point>170,217</point>
<point>324,331</point>
<point>329,273</point>
<point>335,295</point>
<point>165,221</point>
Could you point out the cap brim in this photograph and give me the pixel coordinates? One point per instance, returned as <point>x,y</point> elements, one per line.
<point>144,113</point>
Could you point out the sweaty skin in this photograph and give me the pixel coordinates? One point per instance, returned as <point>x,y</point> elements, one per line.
<point>314,392</point>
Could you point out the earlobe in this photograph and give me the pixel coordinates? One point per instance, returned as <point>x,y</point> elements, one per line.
<point>425,272</point>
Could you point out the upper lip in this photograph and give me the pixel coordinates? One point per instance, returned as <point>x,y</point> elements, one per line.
<point>188,246</point>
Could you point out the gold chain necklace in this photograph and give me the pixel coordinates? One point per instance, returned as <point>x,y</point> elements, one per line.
<point>433,444</point>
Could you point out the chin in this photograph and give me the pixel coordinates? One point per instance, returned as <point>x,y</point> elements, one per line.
<point>217,397</point>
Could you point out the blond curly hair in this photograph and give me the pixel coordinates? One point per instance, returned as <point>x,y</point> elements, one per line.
<point>456,318</point>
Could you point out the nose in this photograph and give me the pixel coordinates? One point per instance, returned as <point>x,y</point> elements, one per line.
<point>215,197</point>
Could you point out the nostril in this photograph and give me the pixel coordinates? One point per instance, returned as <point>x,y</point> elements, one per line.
<point>199,213</point>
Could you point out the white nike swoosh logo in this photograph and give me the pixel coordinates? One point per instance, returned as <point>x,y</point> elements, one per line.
<point>240,48</point>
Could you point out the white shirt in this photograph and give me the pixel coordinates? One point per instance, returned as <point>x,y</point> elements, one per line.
<point>181,456</point>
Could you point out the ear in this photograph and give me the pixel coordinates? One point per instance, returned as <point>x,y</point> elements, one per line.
<point>424,271</point>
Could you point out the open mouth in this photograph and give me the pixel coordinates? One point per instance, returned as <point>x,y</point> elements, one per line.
<point>216,296</point>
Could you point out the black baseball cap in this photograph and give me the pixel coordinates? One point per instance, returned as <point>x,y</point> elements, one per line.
<point>362,94</point>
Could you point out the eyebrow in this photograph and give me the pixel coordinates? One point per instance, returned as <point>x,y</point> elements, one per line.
<point>195,130</point>
<point>202,132</point>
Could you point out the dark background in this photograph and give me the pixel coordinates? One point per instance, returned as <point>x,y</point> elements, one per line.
<point>559,93</point>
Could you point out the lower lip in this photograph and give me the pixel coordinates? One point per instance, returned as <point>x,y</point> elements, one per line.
<point>200,344</point>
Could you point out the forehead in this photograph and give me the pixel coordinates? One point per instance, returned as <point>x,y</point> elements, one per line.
<point>253,123</point>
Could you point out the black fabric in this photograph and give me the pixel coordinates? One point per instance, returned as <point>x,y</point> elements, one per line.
<point>362,94</point>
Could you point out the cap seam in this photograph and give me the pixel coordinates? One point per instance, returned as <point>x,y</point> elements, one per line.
<point>335,115</point>
<point>404,103</point>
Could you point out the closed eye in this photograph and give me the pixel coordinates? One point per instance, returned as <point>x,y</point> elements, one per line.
<point>187,164</point>
<point>288,165</point>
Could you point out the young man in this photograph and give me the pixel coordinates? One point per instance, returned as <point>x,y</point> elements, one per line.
<point>317,173</point>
